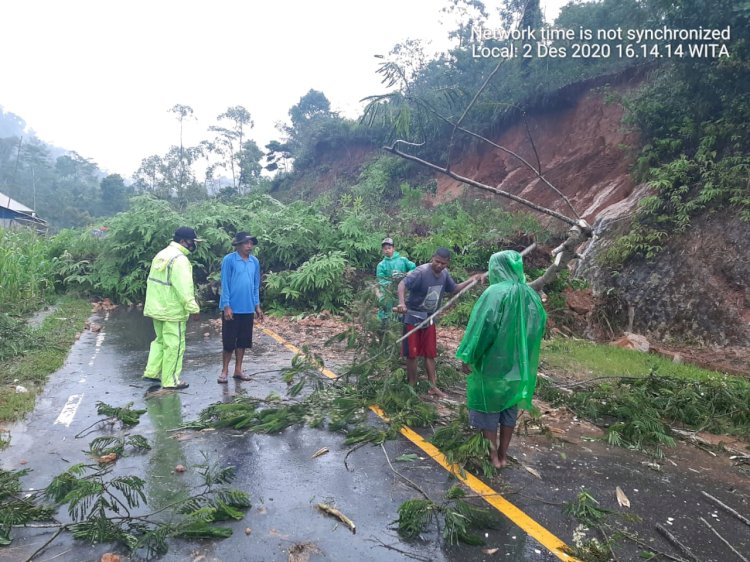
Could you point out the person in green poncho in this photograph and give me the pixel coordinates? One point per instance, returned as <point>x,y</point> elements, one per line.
<point>393,267</point>
<point>500,350</point>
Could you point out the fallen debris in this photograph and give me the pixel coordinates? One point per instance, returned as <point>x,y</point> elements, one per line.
<point>622,499</point>
<point>106,459</point>
<point>725,541</point>
<point>532,471</point>
<point>684,550</point>
<point>330,510</point>
<point>320,452</point>
<point>724,506</point>
<point>302,552</point>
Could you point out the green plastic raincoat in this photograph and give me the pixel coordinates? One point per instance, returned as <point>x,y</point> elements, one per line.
<point>388,270</point>
<point>502,339</point>
<point>170,295</point>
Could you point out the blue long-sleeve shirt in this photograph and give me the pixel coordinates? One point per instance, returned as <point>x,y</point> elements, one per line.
<point>240,283</point>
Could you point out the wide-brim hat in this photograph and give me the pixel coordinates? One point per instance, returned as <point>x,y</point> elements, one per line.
<point>242,237</point>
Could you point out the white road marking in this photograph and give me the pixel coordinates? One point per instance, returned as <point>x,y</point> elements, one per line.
<point>69,410</point>
<point>99,341</point>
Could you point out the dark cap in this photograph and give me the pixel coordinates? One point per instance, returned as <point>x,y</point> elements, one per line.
<point>242,237</point>
<point>186,233</point>
<point>387,241</point>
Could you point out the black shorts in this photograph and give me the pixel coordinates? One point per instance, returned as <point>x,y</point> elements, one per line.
<point>237,332</point>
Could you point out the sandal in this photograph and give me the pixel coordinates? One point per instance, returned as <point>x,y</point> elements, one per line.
<point>178,386</point>
<point>222,379</point>
<point>242,377</point>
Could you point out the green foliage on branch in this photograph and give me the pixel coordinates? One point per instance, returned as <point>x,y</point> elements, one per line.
<point>461,519</point>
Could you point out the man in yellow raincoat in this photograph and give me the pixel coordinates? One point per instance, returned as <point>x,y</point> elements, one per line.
<point>501,349</point>
<point>170,300</point>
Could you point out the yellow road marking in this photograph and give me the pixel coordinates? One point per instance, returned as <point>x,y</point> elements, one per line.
<point>523,521</point>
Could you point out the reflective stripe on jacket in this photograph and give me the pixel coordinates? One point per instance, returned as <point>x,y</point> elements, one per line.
<point>170,295</point>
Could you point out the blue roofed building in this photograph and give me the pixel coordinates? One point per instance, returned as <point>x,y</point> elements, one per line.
<point>14,214</point>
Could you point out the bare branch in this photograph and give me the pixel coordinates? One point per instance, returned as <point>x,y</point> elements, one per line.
<point>726,507</point>
<point>537,173</point>
<point>468,108</point>
<point>725,541</point>
<point>393,150</point>
<point>684,550</point>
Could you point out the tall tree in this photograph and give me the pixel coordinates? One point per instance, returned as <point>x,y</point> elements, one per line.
<point>182,112</point>
<point>229,142</point>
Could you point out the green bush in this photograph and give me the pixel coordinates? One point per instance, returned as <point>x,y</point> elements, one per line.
<point>26,271</point>
<point>321,283</point>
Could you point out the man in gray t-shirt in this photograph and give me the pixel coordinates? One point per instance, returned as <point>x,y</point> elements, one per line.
<point>426,285</point>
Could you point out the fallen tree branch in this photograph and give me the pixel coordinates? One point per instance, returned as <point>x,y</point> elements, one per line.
<point>725,541</point>
<point>563,254</point>
<point>468,108</point>
<point>407,480</point>
<point>676,543</point>
<point>330,510</point>
<point>46,544</point>
<point>727,508</point>
<point>509,152</point>
<point>350,451</point>
<point>393,150</point>
<point>649,546</point>
<point>404,552</point>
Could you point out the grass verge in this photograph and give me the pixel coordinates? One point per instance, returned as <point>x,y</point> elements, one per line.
<point>640,398</point>
<point>582,360</point>
<point>46,351</point>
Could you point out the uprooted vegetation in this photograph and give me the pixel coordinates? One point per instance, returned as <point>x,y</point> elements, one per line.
<point>104,507</point>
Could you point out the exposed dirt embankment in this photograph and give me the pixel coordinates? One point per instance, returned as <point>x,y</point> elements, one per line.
<point>584,149</point>
<point>696,291</point>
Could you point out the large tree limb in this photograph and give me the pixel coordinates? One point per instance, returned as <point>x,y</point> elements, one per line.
<point>537,171</point>
<point>393,150</point>
<point>563,254</point>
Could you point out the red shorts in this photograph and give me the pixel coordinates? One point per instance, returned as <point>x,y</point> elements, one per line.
<point>422,343</point>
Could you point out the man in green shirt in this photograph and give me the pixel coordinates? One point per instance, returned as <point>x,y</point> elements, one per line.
<point>393,267</point>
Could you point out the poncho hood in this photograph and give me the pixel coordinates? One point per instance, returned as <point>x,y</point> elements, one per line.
<point>506,266</point>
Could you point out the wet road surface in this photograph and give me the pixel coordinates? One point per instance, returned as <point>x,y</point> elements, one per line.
<point>278,471</point>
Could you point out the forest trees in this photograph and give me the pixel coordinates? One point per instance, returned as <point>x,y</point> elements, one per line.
<point>314,130</point>
<point>64,191</point>
<point>173,175</point>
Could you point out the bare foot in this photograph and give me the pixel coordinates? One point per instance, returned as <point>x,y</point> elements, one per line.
<point>435,391</point>
<point>501,463</point>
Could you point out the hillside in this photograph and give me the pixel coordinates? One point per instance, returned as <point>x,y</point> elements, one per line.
<point>588,152</point>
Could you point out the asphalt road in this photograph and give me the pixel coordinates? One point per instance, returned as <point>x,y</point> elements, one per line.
<point>278,471</point>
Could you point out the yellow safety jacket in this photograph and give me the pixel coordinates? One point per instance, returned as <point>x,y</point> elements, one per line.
<point>170,295</point>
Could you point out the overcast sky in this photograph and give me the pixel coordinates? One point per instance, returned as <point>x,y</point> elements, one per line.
<point>99,77</point>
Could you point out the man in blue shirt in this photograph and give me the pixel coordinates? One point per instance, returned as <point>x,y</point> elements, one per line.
<point>239,304</point>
